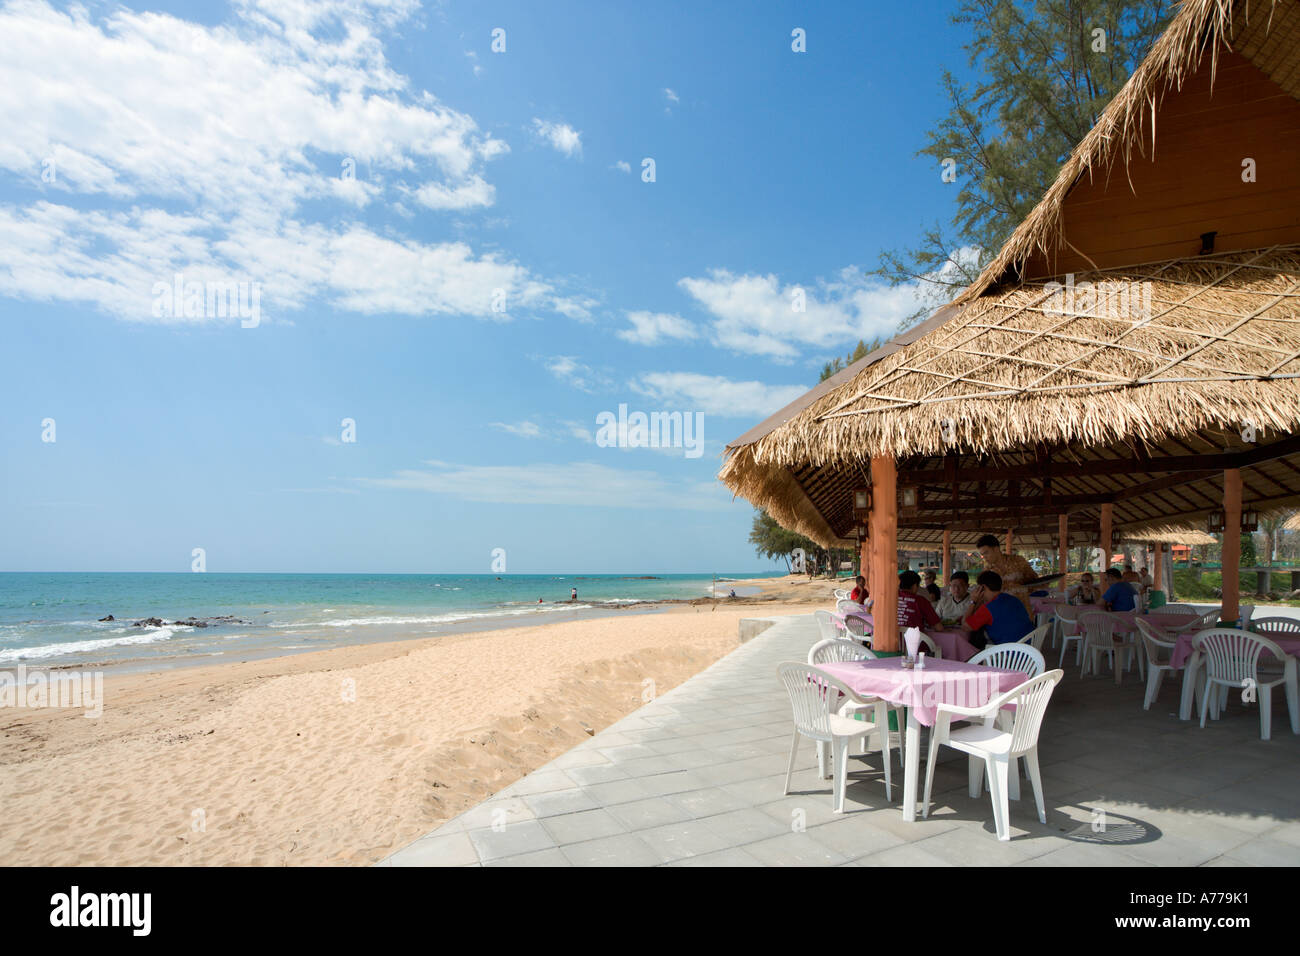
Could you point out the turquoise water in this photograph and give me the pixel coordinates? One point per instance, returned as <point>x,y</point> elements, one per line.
<point>53,619</point>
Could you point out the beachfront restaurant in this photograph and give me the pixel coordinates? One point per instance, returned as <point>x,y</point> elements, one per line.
<point>1126,367</point>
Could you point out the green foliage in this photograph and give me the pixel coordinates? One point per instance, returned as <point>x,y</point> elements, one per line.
<point>773,541</point>
<point>1043,77</point>
<point>838,364</point>
<point>1248,556</point>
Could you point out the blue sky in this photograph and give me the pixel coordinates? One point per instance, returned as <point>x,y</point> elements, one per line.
<point>452,247</point>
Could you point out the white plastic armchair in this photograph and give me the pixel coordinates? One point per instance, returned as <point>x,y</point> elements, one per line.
<point>1159,651</point>
<point>859,626</point>
<point>993,750</point>
<point>1231,660</point>
<point>849,607</point>
<point>1012,657</point>
<point>1107,634</point>
<point>841,594</point>
<point>835,650</point>
<point>1208,619</point>
<point>1275,627</point>
<point>827,625</point>
<point>813,697</point>
<point>1067,620</point>
<point>1036,637</point>
<point>1176,608</point>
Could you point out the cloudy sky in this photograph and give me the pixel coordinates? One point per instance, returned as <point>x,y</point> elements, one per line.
<point>451,235</point>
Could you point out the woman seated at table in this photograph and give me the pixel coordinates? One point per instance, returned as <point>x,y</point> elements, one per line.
<point>998,618</point>
<point>859,593</point>
<point>1085,592</point>
<point>1119,596</point>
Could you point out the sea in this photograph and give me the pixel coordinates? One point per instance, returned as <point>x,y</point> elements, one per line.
<point>57,619</point>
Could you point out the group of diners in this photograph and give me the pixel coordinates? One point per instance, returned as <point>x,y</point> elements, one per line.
<point>1122,592</point>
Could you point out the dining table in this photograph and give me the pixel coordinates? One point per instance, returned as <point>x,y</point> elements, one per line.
<point>921,691</point>
<point>953,644</point>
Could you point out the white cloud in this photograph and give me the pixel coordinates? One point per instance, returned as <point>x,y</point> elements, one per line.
<point>560,136</point>
<point>475,191</point>
<point>623,166</point>
<point>579,484</point>
<point>570,371</point>
<point>715,395</point>
<point>760,315</point>
<point>178,147</point>
<point>671,96</point>
<point>650,328</point>
<point>520,429</point>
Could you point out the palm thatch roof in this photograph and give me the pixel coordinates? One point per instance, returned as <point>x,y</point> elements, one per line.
<point>1129,387</point>
<point>1263,31</point>
<point>1170,534</point>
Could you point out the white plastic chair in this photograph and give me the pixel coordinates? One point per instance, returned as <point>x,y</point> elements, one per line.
<point>859,626</point>
<point>849,607</point>
<point>1159,653</point>
<point>827,625</point>
<point>1275,627</point>
<point>813,696</point>
<point>992,749</point>
<point>1067,619</point>
<point>1208,619</point>
<point>1036,637</point>
<point>1099,638</point>
<point>928,645</point>
<point>1231,660</point>
<point>1012,657</point>
<point>1179,608</point>
<point>841,594</point>
<point>835,650</point>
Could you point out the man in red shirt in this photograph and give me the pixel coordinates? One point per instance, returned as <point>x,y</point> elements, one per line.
<point>913,611</point>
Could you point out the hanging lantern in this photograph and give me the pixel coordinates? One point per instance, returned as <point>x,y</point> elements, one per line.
<point>862,503</point>
<point>1215,522</point>
<point>1250,521</point>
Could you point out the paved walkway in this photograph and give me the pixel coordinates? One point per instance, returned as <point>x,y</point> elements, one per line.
<point>695,778</point>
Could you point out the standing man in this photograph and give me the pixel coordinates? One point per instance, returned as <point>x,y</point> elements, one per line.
<point>1012,570</point>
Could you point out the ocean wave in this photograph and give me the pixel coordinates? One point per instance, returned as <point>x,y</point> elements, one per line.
<point>81,647</point>
<point>450,618</point>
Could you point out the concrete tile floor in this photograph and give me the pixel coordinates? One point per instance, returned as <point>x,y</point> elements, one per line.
<point>696,778</point>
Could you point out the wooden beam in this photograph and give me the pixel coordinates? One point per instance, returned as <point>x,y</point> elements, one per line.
<point>947,556</point>
<point>1231,546</point>
<point>1104,537</point>
<point>884,553</point>
<point>1063,546</point>
<point>1116,466</point>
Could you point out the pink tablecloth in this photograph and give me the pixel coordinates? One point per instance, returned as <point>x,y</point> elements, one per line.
<point>1046,605</point>
<point>940,682</point>
<point>1183,648</point>
<point>953,645</point>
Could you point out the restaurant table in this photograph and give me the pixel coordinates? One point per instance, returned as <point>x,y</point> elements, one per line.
<point>922,691</point>
<point>1188,659</point>
<point>953,645</point>
<point>1048,604</point>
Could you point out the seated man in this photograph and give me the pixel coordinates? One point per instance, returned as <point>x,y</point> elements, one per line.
<point>1119,595</point>
<point>929,587</point>
<point>956,602</point>
<point>1147,580</point>
<point>913,611</point>
<point>859,593</point>
<point>998,618</point>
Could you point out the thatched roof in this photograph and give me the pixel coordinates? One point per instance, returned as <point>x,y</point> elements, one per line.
<point>1263,31</point>
<point>1170,534</point>
<point>1018,402</point>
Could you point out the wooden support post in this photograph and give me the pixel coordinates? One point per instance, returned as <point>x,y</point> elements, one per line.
<point>1231,545</point>
<point>884,553</point>
<point>1063,545</point>
<point>947,557</point>
<point>1105,536</point>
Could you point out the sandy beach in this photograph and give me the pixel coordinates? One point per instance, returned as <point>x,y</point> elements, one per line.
<point>338,756</point>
